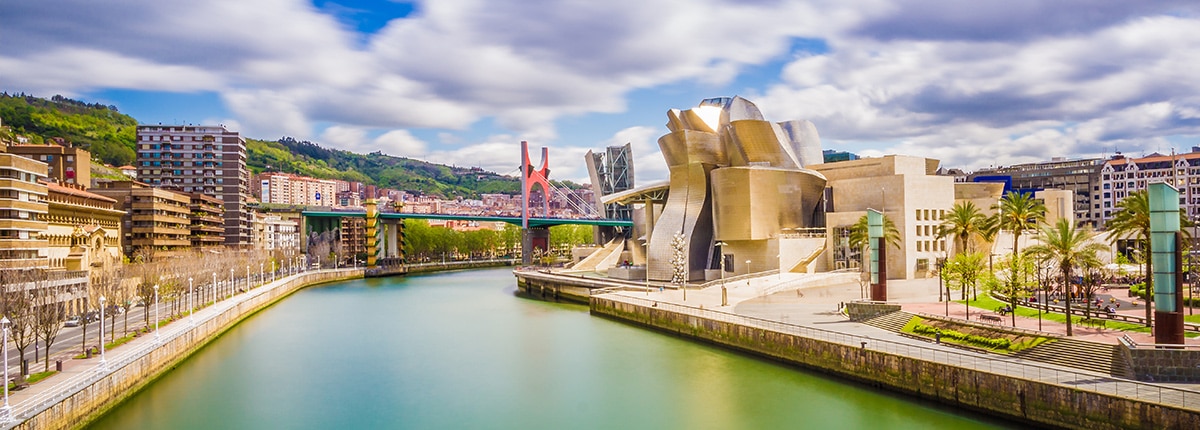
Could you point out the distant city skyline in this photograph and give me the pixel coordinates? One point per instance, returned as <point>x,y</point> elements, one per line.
<point>456,82</point>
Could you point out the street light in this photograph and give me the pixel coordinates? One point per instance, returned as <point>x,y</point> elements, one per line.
<point>231,283</point>
<point>156,338</point>
<point>260,273</point>
<point>213,288</point>
<point>6,412</point>
<point>247,277</point>
<point>103,363</point>
<point>724,292</point>
<point>191,304</point>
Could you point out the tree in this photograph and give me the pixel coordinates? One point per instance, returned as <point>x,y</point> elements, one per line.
<point>1069,248</point>
<point>859,236</point>
<point>964,269</point>
<point>1132,220</point>
<point>48,315</point>
<point>1019,212</point>
<point>963,222</point>
<point>1018,277</point>
<point>18,306</point>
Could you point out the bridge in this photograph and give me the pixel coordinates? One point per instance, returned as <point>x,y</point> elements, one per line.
<point>384,231</point>
<point>515,220</point>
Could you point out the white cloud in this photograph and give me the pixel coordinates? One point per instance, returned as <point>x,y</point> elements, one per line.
<point>978,83</point>
<point>401,143</point>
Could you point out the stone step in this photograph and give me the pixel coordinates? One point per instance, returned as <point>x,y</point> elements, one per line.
<point>893,322</point>
<point>1078,354</point>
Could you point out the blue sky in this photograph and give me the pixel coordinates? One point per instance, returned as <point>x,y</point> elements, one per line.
<point>464,81</point>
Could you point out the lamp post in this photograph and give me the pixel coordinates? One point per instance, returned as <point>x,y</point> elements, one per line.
<point>213,288</point>
<point>247,277</point>
<point>6,412</point>
<point>780,272</point>
<point>724,292</point>
<point>261,280</point>
<point>156,338</point>
<point>191,303</point>
<point>231,283</point>
<point>103,363</point>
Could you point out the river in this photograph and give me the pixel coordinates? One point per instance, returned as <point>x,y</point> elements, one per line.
<point>458,350</point>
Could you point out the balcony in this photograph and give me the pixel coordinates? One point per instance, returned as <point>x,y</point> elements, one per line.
<point>21,224</point>
<point>160,230</point>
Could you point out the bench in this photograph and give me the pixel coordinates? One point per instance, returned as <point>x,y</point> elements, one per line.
<point>19,382</point>
<point>990,317</point>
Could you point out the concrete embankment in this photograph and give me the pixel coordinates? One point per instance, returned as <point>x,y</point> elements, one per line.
<point>98,396</point>
<point>1028,400</point>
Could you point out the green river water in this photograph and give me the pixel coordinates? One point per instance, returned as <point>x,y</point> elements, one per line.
<point>458,350</point>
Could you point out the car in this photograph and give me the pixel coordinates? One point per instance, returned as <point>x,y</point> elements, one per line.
<point>72,322</point>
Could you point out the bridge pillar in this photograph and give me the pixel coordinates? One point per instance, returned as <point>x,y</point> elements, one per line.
<point>372,233</point>
<point>390,235</point>
<point>533,238</point>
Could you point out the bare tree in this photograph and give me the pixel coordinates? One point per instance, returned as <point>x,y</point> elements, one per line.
<point>48,314</point>
<point>18,308</point>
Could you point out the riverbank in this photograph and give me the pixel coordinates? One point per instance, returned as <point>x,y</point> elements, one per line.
<point>91,387</point>
<point>1045,395</point>
<point>1028,393</point>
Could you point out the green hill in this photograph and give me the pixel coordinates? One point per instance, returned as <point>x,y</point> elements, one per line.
<point>309,159</point>
<point>109,135</point>
<point>101,130</point>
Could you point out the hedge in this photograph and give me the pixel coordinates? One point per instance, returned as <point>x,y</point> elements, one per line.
<point>986,342</point>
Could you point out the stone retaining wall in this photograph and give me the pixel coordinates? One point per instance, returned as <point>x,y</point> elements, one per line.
<point>94,400</point>
<point>858,311</point>
<point>1014,398</point>
<point>1164,365</point>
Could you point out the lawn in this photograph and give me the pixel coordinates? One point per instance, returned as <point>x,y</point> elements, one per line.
<point>995,340</point>
<point>988,303</point>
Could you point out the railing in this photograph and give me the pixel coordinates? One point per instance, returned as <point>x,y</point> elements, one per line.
<point>37,403</point>
<point>1084,311</point>
<point>1132,344</point>
<point>806,232</point>
<point>1093,382</point>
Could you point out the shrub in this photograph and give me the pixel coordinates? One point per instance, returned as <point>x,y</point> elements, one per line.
<point>986,342</point>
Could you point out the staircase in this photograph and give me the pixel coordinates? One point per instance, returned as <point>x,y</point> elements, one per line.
<point>1079,354</point>
<point>892,322</point>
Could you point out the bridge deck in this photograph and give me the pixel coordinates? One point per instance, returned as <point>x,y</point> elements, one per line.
<point>533,222</point>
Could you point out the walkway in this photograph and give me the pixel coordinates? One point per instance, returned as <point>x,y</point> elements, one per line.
<point>80,373</point>
<point>812,312</point>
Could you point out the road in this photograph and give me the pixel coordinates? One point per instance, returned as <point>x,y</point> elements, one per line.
<point>69,341</point>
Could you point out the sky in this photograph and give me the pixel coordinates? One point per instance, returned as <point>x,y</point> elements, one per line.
<point>462,82</point>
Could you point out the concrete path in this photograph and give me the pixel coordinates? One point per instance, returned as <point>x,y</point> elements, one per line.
<point>813,312</point>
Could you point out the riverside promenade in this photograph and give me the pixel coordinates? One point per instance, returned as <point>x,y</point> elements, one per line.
<point>802,326</point>
<point>87,387</point>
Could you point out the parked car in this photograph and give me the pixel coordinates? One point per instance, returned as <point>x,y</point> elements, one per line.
<point>73,321</point>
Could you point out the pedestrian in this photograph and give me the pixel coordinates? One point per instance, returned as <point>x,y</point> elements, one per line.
<point>937,336</point>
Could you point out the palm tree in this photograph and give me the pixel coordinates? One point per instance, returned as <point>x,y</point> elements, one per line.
<point>1068,248</point>
<point>1019,212</point>
<point>858,233</point>
<point>1132,219</point>
<point>963,221</point>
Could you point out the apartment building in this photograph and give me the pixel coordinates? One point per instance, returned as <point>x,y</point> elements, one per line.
<point>1081,176</point>
<point>65,163</point>
<point>289,189</point>
<point>273,232</point>
<point>1121,176</point>
<point>199,159</point>
<point>155,219</point>
<point>207,220</point>
<point>22,211</point>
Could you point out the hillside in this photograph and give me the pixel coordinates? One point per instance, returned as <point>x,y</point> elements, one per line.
<point>109,135</point>
<point>309,159</point>
<point>101,130</point>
